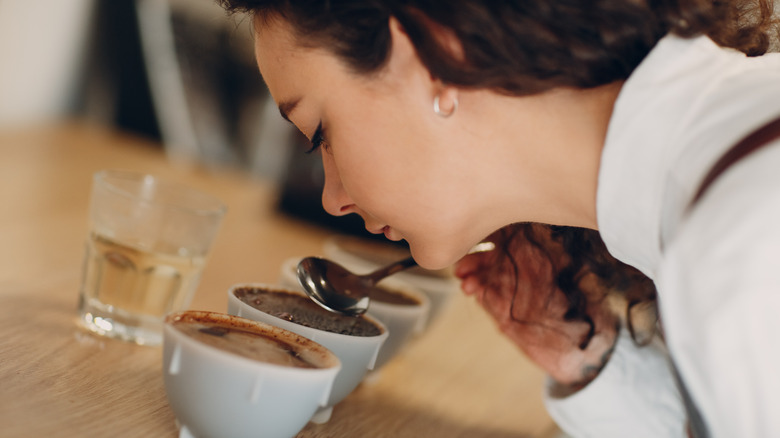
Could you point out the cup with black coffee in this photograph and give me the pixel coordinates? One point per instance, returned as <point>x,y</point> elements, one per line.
<point>403,309</point>
<point>400,306</point>
<point>356,341</point>
<point>230,376</point>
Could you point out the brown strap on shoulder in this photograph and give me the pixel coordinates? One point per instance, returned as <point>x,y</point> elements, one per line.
<point>759,138</point>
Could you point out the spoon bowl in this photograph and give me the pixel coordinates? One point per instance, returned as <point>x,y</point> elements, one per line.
<point>337,289</point>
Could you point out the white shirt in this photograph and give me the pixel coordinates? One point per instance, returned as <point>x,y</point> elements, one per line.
<point>717,269</point>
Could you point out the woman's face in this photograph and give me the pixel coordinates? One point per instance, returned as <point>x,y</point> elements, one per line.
<point>409,173</point>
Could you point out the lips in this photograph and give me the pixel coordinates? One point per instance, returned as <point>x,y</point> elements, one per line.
<point>386,230</point>
<point>378,230</point>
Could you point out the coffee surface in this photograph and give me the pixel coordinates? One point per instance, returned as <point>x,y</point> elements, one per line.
<point>301,310</point>
<point>245,341</point>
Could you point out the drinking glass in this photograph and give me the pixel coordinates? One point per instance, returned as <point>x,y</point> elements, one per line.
<point>146,248</point>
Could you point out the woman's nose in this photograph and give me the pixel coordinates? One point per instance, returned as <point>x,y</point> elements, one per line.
<point>335,199</point>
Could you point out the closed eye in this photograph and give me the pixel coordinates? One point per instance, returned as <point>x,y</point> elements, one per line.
<point>316,139</point>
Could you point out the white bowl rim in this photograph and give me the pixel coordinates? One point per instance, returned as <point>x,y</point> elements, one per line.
<point>331,362</point>
<point>273,287</point>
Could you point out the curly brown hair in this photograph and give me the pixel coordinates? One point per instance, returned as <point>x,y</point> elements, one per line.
<point>587,255</point>
<point>518,47</point>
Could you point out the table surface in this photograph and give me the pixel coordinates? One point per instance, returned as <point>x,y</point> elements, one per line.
<point>461,378</point>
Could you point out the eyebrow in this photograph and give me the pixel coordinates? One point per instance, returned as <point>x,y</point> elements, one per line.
<point>286,107</point>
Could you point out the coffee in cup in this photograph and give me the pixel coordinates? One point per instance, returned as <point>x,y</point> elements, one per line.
<point>356,341</point>
<point>243,338</point>
<point>303,311</point>
<point>230,376</point>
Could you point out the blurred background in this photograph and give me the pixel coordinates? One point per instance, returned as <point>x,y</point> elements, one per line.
<point>180,72</point>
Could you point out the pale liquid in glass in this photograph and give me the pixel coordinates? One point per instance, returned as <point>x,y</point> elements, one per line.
<point>127,290</point>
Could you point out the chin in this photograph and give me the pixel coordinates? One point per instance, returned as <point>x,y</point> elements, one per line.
<point>440,258</point>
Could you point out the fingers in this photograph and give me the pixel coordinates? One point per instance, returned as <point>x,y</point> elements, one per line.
<point>495,301</point>
<point>471,269</point>
<point>471,263</point>
<point>471,285</point>
<point>466,266</point>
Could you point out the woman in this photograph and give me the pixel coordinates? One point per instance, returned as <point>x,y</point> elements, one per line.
<point>441,122</point>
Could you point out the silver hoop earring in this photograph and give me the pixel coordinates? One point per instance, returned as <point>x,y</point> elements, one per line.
<point>437,108</point>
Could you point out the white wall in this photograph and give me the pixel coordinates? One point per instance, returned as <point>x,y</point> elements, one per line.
<point>41,51</point>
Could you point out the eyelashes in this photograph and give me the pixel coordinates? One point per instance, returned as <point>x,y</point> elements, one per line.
<point>317,139</point>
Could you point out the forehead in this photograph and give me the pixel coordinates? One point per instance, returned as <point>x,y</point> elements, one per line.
<point>276,51</point>
<point>291,70</point>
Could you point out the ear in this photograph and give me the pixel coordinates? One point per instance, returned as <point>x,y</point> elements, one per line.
<point>445,37</point>
<point>404,54</point>
<point>403,61</point>
<point>402,51</point>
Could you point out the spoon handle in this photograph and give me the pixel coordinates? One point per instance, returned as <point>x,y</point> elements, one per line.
<point>409,262</point>
<point>391,269</point>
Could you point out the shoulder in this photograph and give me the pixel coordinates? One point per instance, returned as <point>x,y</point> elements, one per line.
<point>728,246</point>
<point>718,287</point>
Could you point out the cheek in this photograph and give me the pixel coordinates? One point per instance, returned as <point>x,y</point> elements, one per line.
<point>377,186</point>
<point>376,163</point>
<point>382,142</point>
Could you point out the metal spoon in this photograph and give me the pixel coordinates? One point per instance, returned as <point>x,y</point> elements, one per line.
<point>337,289</point>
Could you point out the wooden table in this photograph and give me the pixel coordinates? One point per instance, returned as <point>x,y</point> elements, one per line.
<point>460,379</point>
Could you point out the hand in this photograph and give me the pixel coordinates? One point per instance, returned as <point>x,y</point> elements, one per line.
<point>522,294</point>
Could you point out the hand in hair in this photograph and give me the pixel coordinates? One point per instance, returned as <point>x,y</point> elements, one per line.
<point>569,331</point>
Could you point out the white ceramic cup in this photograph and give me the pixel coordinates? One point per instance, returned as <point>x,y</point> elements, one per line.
<point>288,274</point>
<point>214,392</point>
<point>362,256</point>
<point>358,354</point>
<point>403,321</point>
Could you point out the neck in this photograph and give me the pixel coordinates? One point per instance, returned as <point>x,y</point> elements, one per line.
<point>550,151</point>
